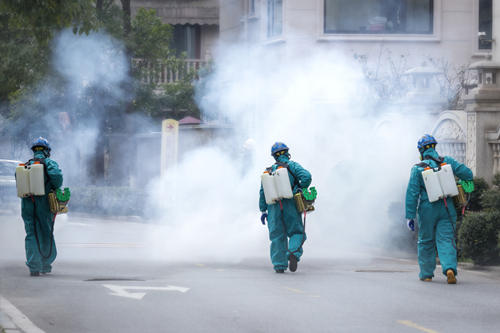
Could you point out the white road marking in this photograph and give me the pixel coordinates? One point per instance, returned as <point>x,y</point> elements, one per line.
<point>411,324</point>
<point>102,245</point>
<point>17,317</point>
<point>118,290</point>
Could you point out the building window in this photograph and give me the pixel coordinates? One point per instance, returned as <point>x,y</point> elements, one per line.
<point>379,16</point>
<point>274,18</point>
<point>186,39</point>
<point>485,24</point>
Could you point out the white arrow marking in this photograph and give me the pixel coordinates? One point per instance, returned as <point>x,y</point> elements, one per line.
<point>122,290</point>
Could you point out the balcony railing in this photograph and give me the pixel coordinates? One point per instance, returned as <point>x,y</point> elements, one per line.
<point>162,73</point>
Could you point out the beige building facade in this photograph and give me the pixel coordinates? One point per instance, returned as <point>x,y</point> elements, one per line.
<point>425,28</point>
<point>195,23</point>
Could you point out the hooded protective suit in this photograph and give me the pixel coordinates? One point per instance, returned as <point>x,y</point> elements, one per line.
<point>287,223</point>
<point>39,221</point>
<point>435,228</point>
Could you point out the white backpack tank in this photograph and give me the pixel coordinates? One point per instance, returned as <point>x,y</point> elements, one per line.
<point>447,181</point>
<point>440,184</point>
<point>270,190</point>
<point>30,180</point>
<point>283,183</point>
<point>22,181</point>
<point>276,185</point>
<point>432,186</point>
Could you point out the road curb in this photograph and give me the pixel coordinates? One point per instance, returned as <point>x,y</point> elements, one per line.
<point>13,320</point>
<point>486,270</point>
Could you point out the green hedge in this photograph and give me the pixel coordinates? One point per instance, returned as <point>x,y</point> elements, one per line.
<point>117,201</point>
<point>480,186</point>
<point>478,231</point>
<point>479,237</point>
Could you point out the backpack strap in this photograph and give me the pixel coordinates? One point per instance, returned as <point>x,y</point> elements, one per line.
<point>438,160</point>
<point>423,165</point>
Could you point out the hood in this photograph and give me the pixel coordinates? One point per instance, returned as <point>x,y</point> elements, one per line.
<point>430,152</point>
<point>283,158</point>
<point>41,154</point>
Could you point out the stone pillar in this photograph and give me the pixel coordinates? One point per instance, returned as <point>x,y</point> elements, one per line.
<point>482,105</point>
<point>495,31</point>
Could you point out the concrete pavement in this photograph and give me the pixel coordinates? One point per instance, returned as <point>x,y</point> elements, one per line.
<point>104,282</point>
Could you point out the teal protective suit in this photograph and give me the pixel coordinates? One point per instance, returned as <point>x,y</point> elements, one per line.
<point>286,230</point>
<point>39,221</point>
<point>435,230</point>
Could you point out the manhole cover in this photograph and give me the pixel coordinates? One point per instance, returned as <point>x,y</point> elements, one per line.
<point>379,271</point>
<point>113,279</point>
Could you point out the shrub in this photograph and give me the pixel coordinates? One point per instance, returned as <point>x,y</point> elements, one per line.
<point>490,200</point>
<point>480,185</point>
<point>478,237</point>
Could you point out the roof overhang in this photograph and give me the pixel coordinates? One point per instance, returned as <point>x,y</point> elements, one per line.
<point>186,14</point>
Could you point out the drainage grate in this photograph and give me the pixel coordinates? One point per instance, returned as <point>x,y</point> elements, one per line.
<point>113,279</point>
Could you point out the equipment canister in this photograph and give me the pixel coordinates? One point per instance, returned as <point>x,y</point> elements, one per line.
<point>447,181</point>
<point>461,198</point>
<point>269,187</point>
<point>37,183</point>
<point>22,181</point>
<point>432,185</point>
<point>283,185</point>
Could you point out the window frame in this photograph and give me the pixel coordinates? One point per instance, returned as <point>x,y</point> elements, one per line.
<point>268,22</point>
<point>435,36</point>
<point>252,12</point>
<point>477,21</point>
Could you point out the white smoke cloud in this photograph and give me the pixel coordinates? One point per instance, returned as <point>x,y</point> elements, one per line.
<point>321,106</point>
<point>91,60</point>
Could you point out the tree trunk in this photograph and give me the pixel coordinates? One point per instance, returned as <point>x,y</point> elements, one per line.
<point>99,10</point>
<point>127,26</point>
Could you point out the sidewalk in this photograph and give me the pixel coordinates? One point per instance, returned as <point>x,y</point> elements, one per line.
<point>491,271</point>
<point>6,324</point>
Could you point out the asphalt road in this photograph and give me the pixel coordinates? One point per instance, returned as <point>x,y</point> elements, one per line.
<point>105,284</point>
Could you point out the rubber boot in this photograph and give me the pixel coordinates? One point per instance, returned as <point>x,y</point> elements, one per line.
<point>292,265</point>
<point>450,276</point>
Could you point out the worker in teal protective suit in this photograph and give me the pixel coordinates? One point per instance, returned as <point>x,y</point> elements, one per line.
<point>436,220</point>
<point>286,230</point>
<point>38,220</point>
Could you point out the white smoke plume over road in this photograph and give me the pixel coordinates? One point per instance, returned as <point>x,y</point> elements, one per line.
<point>321,106</point>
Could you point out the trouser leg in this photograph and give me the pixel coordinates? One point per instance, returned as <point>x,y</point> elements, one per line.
<point>33,257</point>
<point>445,242</point>
<point>279,241</point>
<point>426,249</point>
